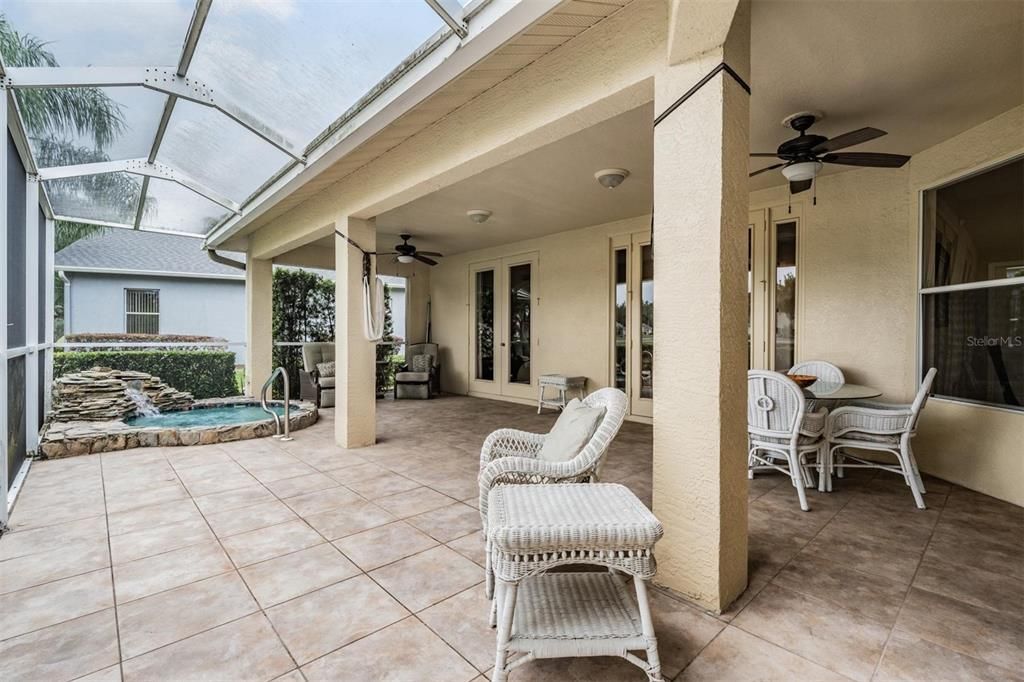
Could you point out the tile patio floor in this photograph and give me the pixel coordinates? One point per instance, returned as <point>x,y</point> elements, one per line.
<point>262,560</point>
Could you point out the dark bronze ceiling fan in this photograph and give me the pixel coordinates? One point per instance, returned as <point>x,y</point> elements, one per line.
<point>407,253</point>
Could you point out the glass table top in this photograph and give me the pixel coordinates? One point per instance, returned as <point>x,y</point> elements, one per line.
<point>823,390</point>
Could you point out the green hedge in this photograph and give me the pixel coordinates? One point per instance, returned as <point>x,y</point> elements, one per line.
<point>203,373</point>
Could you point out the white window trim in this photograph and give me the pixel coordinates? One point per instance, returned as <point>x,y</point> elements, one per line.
<point>923,291</point>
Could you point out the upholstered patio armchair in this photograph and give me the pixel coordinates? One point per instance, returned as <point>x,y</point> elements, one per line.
<point>313,386</point>
<point>419,377</point>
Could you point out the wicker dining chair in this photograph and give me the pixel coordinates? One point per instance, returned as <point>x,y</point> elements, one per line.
<point>510,455</point>
<point>879,427</point>
<point>780,429</point>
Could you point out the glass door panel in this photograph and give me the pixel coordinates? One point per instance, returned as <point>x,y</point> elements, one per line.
<point>485,327</point>
<point>641,331</point>
<point>620,290</point>
<point>785,296</point>
<point>519,327</point>
<point>772,287</point>
<point>646,322</point>
<point>484,304</point>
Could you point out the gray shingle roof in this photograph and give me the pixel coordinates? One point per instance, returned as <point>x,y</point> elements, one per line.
<point>121,249</point>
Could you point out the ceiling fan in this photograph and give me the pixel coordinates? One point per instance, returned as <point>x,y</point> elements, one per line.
<point>407,253</point>
<point>803,156</point>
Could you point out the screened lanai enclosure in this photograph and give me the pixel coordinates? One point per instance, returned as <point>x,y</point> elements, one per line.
<point>179,117</point>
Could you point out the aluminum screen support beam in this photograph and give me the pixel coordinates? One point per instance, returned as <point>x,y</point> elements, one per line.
<point>144,168</point>
<point>195,29</point>
<point>451,13</point>
<point>163,79</point>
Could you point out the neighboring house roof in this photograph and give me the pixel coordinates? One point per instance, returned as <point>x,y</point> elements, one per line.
<point>134,252</point>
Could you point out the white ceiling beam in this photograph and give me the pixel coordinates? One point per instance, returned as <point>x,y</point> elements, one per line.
<point>163,79</point>
<point>144,168</point>
<point>195,29</point>
<point>451,13</point>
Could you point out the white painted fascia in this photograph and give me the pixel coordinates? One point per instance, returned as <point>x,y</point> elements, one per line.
<point>147,273</point>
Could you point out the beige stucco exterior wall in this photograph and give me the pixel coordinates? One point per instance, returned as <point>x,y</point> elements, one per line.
<point>572,320</point>
<point>858,275</point>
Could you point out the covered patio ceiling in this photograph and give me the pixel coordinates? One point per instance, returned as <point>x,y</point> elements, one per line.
<point>187,109</point>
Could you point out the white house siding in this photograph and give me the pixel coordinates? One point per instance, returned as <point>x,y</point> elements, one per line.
<point>208,307</point>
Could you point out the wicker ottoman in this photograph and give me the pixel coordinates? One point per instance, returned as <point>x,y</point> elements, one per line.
<point>534,528</point>
<point>562,384</point>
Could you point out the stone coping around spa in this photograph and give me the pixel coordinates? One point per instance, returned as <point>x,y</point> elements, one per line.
<point>69,439</point>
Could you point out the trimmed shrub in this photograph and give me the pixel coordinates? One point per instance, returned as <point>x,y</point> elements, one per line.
<point>203,373</point>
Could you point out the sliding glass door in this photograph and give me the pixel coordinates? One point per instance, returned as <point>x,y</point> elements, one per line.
<point>632,334</point>
<point>773,235</point>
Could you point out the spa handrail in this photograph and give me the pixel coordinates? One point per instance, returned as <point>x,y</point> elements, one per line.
<point>287,404</point>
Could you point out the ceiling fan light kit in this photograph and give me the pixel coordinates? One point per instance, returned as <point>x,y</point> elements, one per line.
<point>407,253</point>
<point>803,157</point>
<point>478,215</point>
<point>610,178</point>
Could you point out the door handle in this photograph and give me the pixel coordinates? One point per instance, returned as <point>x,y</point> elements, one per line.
<point>502,344</point>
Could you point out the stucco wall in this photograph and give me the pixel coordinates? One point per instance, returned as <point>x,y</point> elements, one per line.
<point>187,306</point>
<point>572,320</point>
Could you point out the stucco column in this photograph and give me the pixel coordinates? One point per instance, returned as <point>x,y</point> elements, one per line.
<point>259,322</point>
<point>355,411</point>
<point>700,242</point>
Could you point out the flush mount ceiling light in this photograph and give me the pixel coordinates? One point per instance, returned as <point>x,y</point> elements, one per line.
<point>805,170</point>
<point>610,178</point>
<point>478,215</point>
<point>405,259</point>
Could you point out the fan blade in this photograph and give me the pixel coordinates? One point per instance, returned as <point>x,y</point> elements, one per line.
<point>870,159</point>
<point>431,253</point>
<point>765,154</point>
<point>847,140</point>
<point>797,186</point>
<point>765,170</point>
<point>424,259</point>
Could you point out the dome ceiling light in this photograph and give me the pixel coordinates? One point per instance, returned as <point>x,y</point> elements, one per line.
<point>478,215</point>
<point>610,178</point>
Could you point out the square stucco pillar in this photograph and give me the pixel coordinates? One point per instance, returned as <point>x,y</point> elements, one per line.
<point>355,410</point>
<point>259,323</point>
<point>700,251</point>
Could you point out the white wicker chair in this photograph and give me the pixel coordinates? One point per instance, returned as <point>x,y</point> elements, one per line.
<point>779,428</point>
<point>879,427</point>
<point>510,456</point>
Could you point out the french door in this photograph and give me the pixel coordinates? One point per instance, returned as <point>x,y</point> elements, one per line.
<point>632,340</point>
<point>772,247</point>
<point>503,343</point>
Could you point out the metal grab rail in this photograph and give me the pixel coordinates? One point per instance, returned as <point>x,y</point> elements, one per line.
<point>287,404</point>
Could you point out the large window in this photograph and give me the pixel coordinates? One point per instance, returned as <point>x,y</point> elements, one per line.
<point>142,311</point>
<point>973,287</point>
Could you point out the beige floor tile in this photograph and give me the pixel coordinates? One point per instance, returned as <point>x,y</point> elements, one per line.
<point>143,577</point>
<point>293,676</point>
<point>216,483</point>
<point>448,523</point>
<point>167,617</point>
<point>322,621</point>
<point>471,546</point>
<point>277,580</point>
<point>974,586</point>
<point>143,543</point>
<point>15,543</point>
<point>682,631</point>
<point>267,543</point>
<point>300,485</point>
<point>280,471</point>
<point>737,655</point>
<point>351,517</point>
<point>246,519</point>
<point>991,636</point>
<point>133,500</point>
<point>233,499</point>
<point>55,602</point>
<point>245,649</point>
<point>869,554</point>
<point>24,518</point>
<point>151,516</point>
<point>973,550</point>
<point>63,651</point>
<point>328,457</point>
<point>462,621</point>
<point>836,638</point>
<point>382,485</point>
<point>321,501</point>
<point>870,595</point>
<point>111,674</point>
<point>426,578</point>
<point>376,547</point>
<point>413,502</point>
<point>909,658</point>
<point>353,472</point>
<point>35,569</point>
<point>414,653</point>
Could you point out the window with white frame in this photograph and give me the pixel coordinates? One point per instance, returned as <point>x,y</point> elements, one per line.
<point>972,293</point>
<point>142,311</point>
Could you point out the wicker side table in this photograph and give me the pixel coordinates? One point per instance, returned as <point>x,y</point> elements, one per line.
<point>533,528</point>
<point>562,384</point>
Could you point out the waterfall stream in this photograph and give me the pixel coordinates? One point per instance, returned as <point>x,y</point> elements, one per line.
<point>143,405</point>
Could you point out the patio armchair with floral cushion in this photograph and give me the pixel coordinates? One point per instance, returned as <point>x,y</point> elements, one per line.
<point>514,456</point>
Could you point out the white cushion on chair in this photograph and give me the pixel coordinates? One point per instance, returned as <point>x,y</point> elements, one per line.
<point>571,432</point>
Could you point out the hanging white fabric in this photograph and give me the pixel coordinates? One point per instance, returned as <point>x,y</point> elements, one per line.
<point>373,309</point>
